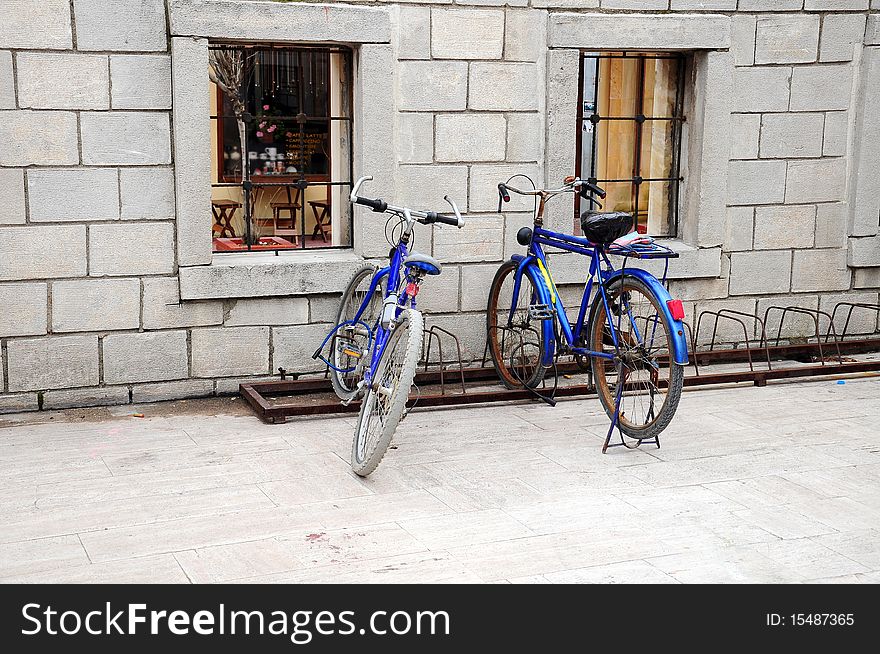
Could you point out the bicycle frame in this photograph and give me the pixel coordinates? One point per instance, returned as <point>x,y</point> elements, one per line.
<point>394,273</point>
<point>536,260</point>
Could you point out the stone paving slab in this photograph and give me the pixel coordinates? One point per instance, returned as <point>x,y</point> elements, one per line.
<point>778,484</point>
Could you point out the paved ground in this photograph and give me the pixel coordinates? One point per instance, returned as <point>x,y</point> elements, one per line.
<point>778,484</point>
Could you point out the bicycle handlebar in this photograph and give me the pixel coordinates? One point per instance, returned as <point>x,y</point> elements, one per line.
<point>424,217</point>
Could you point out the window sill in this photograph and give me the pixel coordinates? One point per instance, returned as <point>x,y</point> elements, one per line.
<point>692,262</point>
<point>267,275</point>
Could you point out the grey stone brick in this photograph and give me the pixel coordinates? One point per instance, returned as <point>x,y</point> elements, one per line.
<point>62,81</point>
<point>785,226</point>
<point>414,32</point>
<point>835,5</point>
<point>525,137</point>
<point>24,310</point>
<point>561,124</point>
<point>467,33</point>
<point>162,308</point>
<point>821,88</point>
<point>481,240</point>
<point>864,252</point>
<point>703,5</point>
<point>42,252</point>
<point>815,180</point>
<point>635,4</point>
<point>835,136</point>
<point>228,351</point>
<point>109,396</point>
<point>73,194</point>
<point>145,357</point>
<point>323,308</point>
<point>192,138</point>
<point>141,81</point>
<point>525,35</point>
<point>42,138</point>
<point>267,311</point>
<point>484,187</point>
<point>770,5</point>
<point>820,270</point>
<point>761,89</point>
<point>7,81</point>
<point>131,249</point>
<point>18,402</point>
<point>433,85</point>
<point>176,390</point>
<point>756,182</point>
<point>872,30</point>
<point>566,4</point>
<point>831,225</point>
<point>760,272</point>
<point>786,39</point>
<point>470,329</point>
<point>12,209</point>
<point>293,347</point>
<point>791,135</point>
<point>52,362</point>
<point>840,32</point>
<point>147,193</point>
<point>470,137</point>
<point>742,41</point>
<point>232,385</point>
<point>744,132</point>
<point>424,186</point>
<point>864,180</point>
<point>439,294</point>
<point>739,228</point>
<point>128,138</point>
<point>274,21</point>
<point>36,24</point>
<point>415,138</point>
<point>137,25</point>
<point>475,283</point>
<point>84,305</point>
<point>866,277</point>
<point>503,86</point>
<point>614,31</point>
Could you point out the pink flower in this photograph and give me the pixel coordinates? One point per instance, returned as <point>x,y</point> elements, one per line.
<point>265,107</point>
<point>263,124</point>
<point>273,128</point>
<point>260,134</point>
<point>289,134</point>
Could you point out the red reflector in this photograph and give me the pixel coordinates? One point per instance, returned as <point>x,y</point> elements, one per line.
<point>676,309</point>
<point>412,289</point>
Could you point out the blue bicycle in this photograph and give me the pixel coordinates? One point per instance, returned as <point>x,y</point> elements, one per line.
<point>377,340</point>
<point>629,335</point>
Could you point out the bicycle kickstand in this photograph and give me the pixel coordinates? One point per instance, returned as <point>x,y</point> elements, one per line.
<point>615,422</point>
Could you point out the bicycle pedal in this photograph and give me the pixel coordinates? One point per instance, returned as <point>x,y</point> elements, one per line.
<point>541,312</point>
<point>350,351</point>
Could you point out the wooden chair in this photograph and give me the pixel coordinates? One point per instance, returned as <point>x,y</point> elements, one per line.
<point>224,212</point>
<point>291,206</point>
<point>321,210</point>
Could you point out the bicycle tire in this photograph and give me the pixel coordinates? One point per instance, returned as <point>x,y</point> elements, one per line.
<point>345,384</point>
<point>509,376</point>
<point>599,340</point>
<point>365,457</point>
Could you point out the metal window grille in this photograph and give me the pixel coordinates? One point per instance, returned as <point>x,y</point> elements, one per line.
<point>634,112</point>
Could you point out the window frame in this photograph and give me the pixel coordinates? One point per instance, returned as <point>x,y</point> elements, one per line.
<point>678,118</point>
<point>300,182</point>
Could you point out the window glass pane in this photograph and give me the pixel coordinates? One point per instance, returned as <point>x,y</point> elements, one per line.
<point>657,148</point>
<point>654,204</point>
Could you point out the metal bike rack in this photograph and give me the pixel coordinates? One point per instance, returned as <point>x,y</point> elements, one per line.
<point>275,401</point>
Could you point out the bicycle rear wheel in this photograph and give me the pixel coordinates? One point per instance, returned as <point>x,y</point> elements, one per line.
<point>351,340</point>
<point>517,344</point>
<point>651,380</point>
<point>385,401</point>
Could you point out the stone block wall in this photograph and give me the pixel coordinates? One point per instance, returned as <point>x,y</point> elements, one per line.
<point>91,252</point>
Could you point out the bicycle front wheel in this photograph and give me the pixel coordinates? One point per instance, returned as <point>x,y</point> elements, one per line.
<point>385,401</point>
<point>516,342</point>
<point>351,340</point>
<point>651,380</point>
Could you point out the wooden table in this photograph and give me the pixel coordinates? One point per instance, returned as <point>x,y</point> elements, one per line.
<point>224,212</point>
<point>322,219</point>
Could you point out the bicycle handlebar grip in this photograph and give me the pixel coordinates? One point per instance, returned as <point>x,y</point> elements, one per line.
<point>450,220</point>
<point>597,190</point>
<point>503,195</point>
<point>377,205</point>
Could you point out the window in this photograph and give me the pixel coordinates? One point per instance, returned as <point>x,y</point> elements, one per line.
<point>629,134</point>
<point>281,147</point>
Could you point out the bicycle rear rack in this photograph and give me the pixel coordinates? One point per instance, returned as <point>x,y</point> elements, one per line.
<point>275,401</point>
